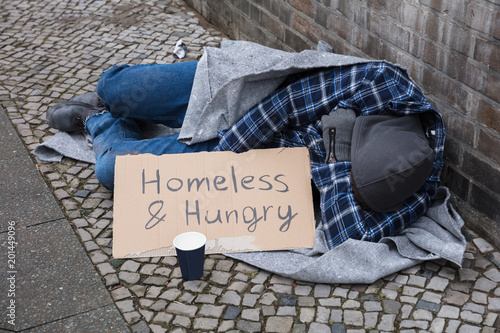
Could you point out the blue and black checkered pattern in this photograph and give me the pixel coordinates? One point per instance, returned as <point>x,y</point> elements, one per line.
<point>290,117</point>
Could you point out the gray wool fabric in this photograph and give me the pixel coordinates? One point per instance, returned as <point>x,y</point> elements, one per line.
<point>337,134</point>
<point>231,79</point>
<point>435,235</point>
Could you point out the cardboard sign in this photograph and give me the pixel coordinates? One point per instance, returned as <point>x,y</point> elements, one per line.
<point>258,200</point>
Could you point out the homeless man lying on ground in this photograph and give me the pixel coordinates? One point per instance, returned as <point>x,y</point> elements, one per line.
<point>373,187</point>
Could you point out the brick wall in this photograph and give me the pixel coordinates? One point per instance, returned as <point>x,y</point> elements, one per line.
<point>451,49</point>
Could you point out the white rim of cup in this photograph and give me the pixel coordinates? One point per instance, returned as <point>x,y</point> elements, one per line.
<point>189,241</point>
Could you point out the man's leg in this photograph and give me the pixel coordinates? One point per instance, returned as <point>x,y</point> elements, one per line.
<point>121,136</point>
<point>157,93</point>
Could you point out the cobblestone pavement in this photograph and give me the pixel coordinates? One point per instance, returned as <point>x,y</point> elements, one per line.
<point>52,50</point>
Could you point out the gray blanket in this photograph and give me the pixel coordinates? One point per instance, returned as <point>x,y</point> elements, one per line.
<point>231,79</point>
<point>222,101</point>
<point>436,235</point>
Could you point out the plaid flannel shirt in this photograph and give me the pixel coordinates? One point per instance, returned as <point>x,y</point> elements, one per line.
<point>290,117</point>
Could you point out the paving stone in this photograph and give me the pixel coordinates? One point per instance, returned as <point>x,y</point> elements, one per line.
<point>319,328</point>
<point>225,326</point>
<point>130,265</point>
<point>268,310</point>
<point>420,324</point>
<point>391,306</point>
<point>267,299</point>
<point>231,297</point>
<point>338,328</point>
<point>467,274</point>
<point>484,284</point>
<point>248,326</point>
<point>205,323</point>
<point>182,309</point>
<point>288,300</point>
<point>474,308</point>
<point>372,306</point>
<point>250,314</point>
<point>483,245</point>
<point>438,283</point>
<point>387,322</point>
<point>448,311</point>
<point>220,277</point>
<point>232,313</point>
<point>428,306</point>
<point>209,310</point>
<point>307,315</point>
<point>337,316</point>
<point>437,325</point>
<point>354,318</point>
<point>128,277</point>
<point>471,317</point>
<point>299,328</point>
<point>250,300</point>
<point>336,302</point>
<point>286,311</point>
<point>306,301</point>
<point>125,306</point>
<point>479,297</point>
<point>322,314</point>
<point>303,290</point>
<point>455,298</point>
<point>494,304</point>
<point>204,298</point>
<point>171,294</point>
<point>493,274</point>
<point>279,324</point>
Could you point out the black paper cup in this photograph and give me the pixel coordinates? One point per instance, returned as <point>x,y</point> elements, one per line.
<point>190,248</point>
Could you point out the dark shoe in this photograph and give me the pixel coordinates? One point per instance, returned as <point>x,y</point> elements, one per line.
<point>70,116</point>
<point>89,98</point>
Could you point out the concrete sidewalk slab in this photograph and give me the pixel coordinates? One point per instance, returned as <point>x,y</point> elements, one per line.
<point>46,274</point>
<point>25,197</point>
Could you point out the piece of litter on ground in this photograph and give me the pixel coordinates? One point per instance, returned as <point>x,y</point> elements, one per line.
<point>180,49</point>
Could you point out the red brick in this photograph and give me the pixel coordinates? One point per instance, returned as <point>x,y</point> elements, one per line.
<point>413,17</point>
<point>456,10</point>
<point>482,171</point>
<point>496,26</point>
<point>457,38</point>
<point>456,182</point>
<point>434,4</point>
<point>488,203</point>
<point>492,88</point>
<point>340,26</point>
<point>453,151</point>
<point>362,16</point>
<point>462,130</point>
<point>274,26</point>
<point>489,145</point>
<point>488,53</point>
<point>471,75</point>
<point>433,26</point>
<point>488,115</point>
<point>305,6</point>
<point>321,16</point>
<point>306,27</point>
<point>479,17</point>
<point>430,52</point>
<point>296,42</point>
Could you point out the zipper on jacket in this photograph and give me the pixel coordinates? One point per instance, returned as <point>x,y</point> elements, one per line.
<point>331,151</point>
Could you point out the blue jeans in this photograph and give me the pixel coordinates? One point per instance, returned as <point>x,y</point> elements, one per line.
<point>157,93</point>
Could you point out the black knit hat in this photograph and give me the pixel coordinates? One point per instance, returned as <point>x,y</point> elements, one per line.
<point>391,159</point>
